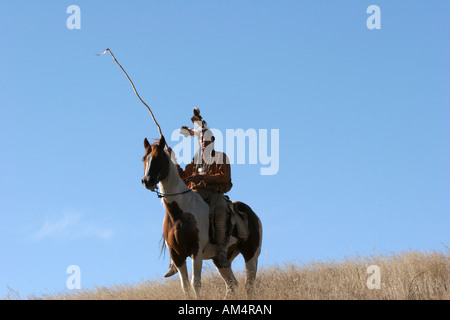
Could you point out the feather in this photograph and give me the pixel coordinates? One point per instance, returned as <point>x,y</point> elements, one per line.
<point>198,118</point>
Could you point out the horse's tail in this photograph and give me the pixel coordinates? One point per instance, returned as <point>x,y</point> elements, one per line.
<point>162,244</point>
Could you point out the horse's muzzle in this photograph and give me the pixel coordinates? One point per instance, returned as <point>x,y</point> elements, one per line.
<point>149,183</point>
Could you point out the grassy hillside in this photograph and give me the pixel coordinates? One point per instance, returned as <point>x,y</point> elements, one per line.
<point>407,275</point>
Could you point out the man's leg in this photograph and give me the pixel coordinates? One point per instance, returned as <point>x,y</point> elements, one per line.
<point>220,221</point>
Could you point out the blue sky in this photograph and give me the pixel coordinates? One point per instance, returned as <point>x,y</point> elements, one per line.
<point>363,118</point>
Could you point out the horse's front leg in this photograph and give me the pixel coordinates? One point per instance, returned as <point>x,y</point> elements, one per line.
<point>182,270</point>
<point>197,262</point>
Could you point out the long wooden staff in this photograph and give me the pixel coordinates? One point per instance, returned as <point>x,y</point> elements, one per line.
<point>134,88</point>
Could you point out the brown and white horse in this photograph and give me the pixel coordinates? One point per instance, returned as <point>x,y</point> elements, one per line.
<point>186,226</point>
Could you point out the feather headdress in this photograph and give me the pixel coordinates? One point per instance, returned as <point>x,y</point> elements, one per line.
<point>199,125</point>
<point>197,118</point>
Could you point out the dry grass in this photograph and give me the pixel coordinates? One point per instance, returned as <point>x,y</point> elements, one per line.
<point>408,275</point>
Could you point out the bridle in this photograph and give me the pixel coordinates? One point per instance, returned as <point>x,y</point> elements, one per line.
<point>163,195</point>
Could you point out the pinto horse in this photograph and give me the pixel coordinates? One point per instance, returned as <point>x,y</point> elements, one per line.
<point>186,226</point>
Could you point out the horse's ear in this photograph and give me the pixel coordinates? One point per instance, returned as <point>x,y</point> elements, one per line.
<point>146,143</point>
<point>162,143</point>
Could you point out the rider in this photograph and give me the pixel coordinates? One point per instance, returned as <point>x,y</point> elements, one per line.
<point>209,174</point>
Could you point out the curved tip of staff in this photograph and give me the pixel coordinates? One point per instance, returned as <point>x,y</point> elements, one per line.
<point>100,54</point>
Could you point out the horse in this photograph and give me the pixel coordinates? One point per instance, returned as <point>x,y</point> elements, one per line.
<point>187,224</point>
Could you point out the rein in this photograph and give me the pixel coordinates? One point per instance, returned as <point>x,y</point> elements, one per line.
<point>163,195</point>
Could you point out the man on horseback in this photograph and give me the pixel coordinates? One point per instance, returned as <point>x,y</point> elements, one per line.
<point>209,174</point>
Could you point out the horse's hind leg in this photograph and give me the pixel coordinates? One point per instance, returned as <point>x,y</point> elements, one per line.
<point>251,266</point>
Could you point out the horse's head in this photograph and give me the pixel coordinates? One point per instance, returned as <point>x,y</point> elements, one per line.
<point>156,163</point>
